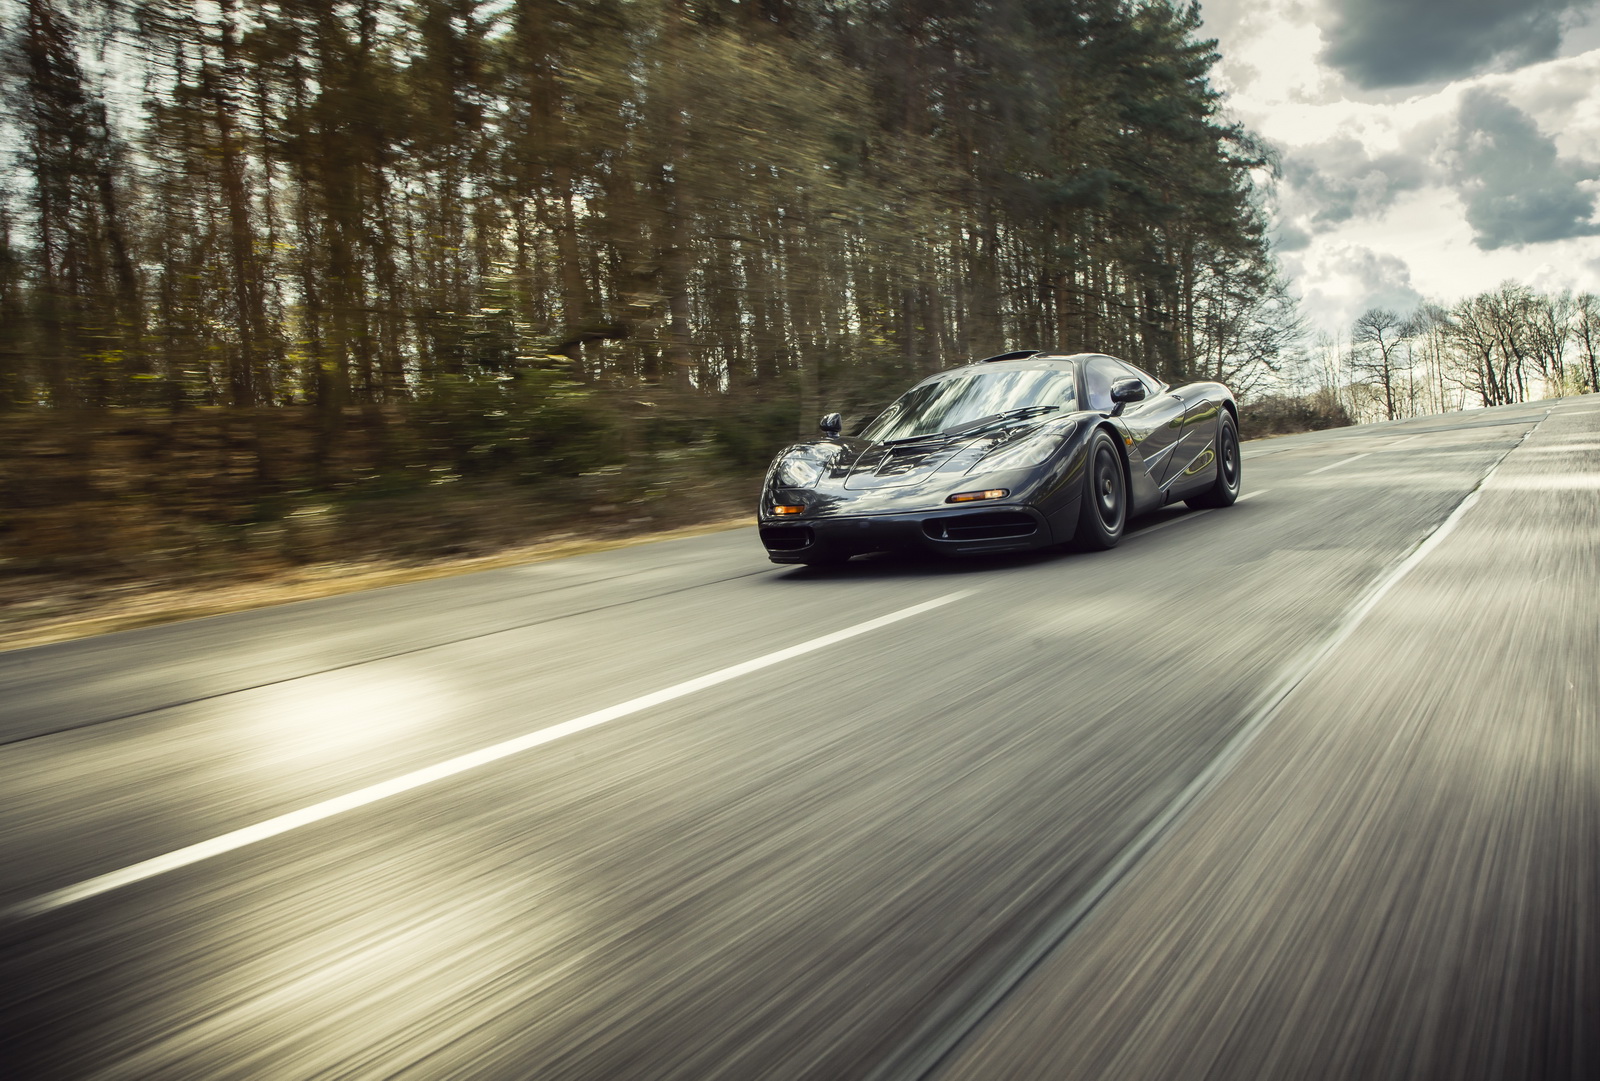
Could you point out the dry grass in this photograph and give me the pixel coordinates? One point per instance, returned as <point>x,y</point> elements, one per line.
<point>55,609</point>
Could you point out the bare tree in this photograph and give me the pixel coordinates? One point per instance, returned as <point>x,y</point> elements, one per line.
<point>1492,338</point>
<point>1550,326</point>
<point>1427,334</point>
<point>1243,337</point>
<point>1509,313</point>
<point>1375,353</point>
<point>1586,333</point>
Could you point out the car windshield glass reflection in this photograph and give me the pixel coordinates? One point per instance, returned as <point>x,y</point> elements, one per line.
<point>964,401</point>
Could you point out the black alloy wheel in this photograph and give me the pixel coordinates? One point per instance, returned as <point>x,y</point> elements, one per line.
<point>1103,511</point>
<point>1225,489</point>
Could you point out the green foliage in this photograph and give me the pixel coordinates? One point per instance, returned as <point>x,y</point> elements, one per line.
<point>533,425</point>
<point>748,440</point>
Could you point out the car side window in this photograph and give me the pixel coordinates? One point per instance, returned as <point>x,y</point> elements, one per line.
<point>1098,375</point>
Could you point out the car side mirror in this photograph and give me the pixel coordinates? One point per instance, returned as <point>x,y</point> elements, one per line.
<point>833,424</point>
<point>1124,391</point>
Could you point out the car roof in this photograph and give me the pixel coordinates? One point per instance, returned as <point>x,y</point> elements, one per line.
<point>1035,362</point>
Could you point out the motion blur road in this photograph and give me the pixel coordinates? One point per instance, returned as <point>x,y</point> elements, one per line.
<point>1308,787</point>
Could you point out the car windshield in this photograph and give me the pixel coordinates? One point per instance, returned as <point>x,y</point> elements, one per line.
<point>972,396</point>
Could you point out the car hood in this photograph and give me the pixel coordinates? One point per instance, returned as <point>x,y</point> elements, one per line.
<point>858,465</point>
<point>890,465</point>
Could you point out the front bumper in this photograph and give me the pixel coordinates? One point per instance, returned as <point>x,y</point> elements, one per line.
<point>953,531</point>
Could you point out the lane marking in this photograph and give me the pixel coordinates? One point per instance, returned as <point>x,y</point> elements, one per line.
<point>1347,461</point>
<point>965,1009</point>
<point>1192,515</point>
<point>1336,465</point>
<point>317,812</point>
<point>1188,516</point>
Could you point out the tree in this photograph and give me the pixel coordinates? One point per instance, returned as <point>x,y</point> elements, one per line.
<point>1550,326</point>
<point>1375,342</point>
<point>85,296</point>
<point>1586,332</point>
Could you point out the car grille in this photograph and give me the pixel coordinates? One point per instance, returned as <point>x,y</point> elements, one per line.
<point>987,525</point>
<point>786,538</point>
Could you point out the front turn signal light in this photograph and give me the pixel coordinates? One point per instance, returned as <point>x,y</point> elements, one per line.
<point>790,509</point>
<point>973,497</point>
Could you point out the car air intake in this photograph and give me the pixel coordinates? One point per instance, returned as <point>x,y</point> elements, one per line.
<point>986,525</point>
<point>786,538</point>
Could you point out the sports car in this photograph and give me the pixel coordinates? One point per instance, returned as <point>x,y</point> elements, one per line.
<point>1022,450</point>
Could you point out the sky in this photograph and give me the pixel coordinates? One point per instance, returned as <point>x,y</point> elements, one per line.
<point>1428,149</point>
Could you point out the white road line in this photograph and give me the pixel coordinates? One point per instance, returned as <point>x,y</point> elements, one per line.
<point>1170,522</point>
<point>305,816</point>
<point>1192,515</point>
<point>1347,461</point>
<point>1336,465</point>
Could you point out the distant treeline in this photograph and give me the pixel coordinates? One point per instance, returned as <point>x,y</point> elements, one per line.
<point>758,208</point>
<point>1498,347</point>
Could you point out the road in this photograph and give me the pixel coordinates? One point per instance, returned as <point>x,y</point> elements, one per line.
<point>1307,787</point>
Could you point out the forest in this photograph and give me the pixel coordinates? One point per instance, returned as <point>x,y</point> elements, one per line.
<point>260,256</point>
<point>271,204</point>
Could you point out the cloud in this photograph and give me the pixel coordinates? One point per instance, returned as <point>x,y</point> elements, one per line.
<point>1290,237</point>
<point>1269,50</point>
<point>1339,281</point>
<point>1390,43</point>
<point>1515,187</point>
<point>1562,96</point>
<point>1336,180</point>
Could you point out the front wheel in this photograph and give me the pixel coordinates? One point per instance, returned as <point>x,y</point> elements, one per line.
<point>1225,489</point>
<point>1103,510</point>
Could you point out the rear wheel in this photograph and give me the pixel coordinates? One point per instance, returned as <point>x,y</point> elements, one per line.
<point>1225,489</point>
<point>1103,510</point>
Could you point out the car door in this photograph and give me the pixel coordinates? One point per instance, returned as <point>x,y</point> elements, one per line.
<point>1155,424</point>
<point>1191,459</point>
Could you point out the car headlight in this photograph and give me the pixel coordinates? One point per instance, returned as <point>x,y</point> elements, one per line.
<point>797,471</point>
<point>1026,452</point>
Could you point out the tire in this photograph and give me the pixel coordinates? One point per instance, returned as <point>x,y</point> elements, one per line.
<point>1225,489</point>
<point>1103,508</point>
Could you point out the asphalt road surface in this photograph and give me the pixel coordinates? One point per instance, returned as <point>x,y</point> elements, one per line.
<point>1304,788</point>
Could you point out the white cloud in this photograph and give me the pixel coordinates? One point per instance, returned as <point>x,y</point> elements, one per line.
<point>1337,281</point>
<point>1270,55</point>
